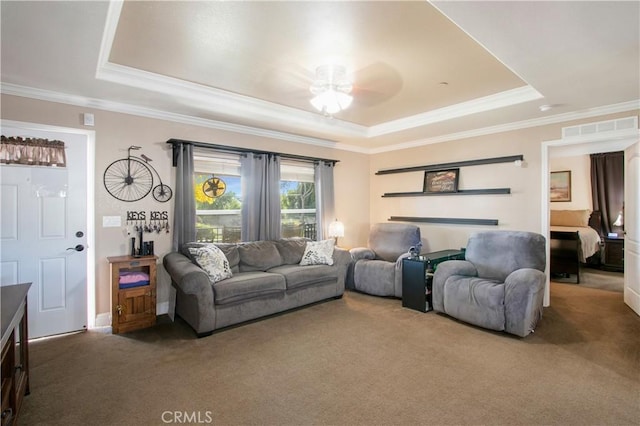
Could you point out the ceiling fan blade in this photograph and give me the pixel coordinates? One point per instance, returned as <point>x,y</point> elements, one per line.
<point>285,76</point>
<point>376,83</point>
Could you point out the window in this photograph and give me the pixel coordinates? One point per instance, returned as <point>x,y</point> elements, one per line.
<point>297,200</point>
<point>218,218</point>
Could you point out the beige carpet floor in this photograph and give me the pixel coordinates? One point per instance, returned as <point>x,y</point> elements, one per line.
<point>597,278</point>
<point>359,360</point>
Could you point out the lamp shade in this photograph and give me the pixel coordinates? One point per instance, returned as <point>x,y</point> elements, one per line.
<point>336,229</point>
<point>619,220</point>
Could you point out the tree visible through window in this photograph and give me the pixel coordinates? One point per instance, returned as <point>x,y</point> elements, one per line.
<point>219,219</point>
<point>297,201</point>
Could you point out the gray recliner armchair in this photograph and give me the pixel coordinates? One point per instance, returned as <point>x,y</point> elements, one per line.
<point>500,285</point>
<point>377,269</point>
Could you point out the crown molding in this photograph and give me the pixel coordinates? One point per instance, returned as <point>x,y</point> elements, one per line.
<point>109,32</point>
<point>223,102</point>
<point>474,106</point>
<point>50,96</point>
<point>209,98</point>
<point>220,101</point>
<point>518,125</point>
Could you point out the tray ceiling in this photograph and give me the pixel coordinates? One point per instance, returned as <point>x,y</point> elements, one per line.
<point>423,72</point>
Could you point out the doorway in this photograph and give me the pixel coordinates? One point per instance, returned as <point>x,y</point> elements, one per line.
<point>48,233</point>
<point>609,141</point>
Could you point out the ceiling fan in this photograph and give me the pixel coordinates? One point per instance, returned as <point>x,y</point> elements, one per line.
<point>370,85</point>
<point>331,89</point>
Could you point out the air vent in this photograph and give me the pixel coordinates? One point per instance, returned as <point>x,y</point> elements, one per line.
<point>600,127</point>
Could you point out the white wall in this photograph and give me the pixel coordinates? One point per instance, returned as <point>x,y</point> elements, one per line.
<point>358,189</point>
<point>115,132</point>
<point>520,210</point>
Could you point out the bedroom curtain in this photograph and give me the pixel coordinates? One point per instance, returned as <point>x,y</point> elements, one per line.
<point>325,198</point>
<point>32,152</point>
<point>607,186</point>
<point>260,184</point>
<point>184,218</point>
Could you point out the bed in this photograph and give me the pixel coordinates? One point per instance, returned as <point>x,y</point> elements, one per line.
<point>575,240</point>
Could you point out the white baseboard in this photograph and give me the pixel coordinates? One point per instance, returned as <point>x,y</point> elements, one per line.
<point>103,320</point>
<point>162,308</point>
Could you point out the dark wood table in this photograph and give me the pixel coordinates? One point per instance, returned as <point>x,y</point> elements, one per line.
<point>417,277</point>
<point>15,350</point>
<point>614,254</point>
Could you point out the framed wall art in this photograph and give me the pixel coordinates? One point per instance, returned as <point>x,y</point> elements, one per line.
<point>441,180</point>
<point>560,186</point>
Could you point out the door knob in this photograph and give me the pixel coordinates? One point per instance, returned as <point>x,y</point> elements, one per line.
<point>79,247</point>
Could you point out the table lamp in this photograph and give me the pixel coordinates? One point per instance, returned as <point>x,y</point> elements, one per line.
<point>336,230</point>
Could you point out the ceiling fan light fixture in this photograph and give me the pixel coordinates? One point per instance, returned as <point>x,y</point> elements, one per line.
<point>331,89</point>
<point>331,101</point>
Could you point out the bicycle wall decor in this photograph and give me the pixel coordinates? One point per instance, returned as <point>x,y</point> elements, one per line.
<point>130,179</point>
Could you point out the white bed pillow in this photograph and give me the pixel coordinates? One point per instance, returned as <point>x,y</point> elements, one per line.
<point>318,253</point>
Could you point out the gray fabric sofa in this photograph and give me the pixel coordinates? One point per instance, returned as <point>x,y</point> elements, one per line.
<point>377,269</point>
<point>267,279</point>
<point>500,285</point>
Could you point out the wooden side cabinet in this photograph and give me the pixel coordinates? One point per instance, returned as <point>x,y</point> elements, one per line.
<point>133,292</point>
<point>15,351</point>
<point>614,254</point>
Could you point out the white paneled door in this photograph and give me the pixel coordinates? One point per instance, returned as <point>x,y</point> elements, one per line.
<point>632,227</point>
<point>43,235</point>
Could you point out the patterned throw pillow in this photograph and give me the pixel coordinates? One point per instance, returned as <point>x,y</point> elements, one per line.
<point>213,261</point>
<point>318,253</point>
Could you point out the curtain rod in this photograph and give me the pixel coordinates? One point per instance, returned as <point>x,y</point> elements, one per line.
<point>233,149</point>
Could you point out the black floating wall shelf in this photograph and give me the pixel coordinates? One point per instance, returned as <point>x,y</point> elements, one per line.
<point>444,166</point>
<point>449,220</point>
<point>459,192</point>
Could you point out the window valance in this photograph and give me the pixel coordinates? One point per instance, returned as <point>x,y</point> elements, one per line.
<point>32,151</point>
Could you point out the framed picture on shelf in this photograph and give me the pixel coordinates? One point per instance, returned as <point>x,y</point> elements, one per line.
<point>560,186</point>
<point>441,180</point>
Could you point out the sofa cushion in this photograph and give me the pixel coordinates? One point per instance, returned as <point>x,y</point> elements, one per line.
<point>258,256</point>
<point>291,249</point>
<point>247,285</point>
<point>390,240</point>
<point>300,276</point>
<point>318,253</point>
<point>496,254</point>
<point>375,277</point>
<point>213,261</point>
<point>231,251</point>
<point>478,301</point>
